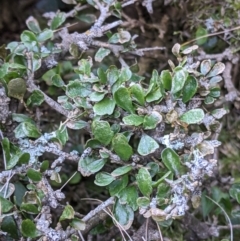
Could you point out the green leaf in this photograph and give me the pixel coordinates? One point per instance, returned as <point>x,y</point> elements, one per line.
<point>68,213</point>
<point>124,36</point>
<point>36,98</point>
<point>205,66</point>
<point>112,74</point>
<point>34,175</point>
<point>77,125</point>
<point>172,161</point>
<point>166,79</point>
<point>103,179</point>
<point>62,134</point>
<point>151,121</point>
<point>102,132</point>
<point>178,81</point>
<point>17,88</point>
<point>235,192</point>
<point>154,95</point>
<point>125,74</point>
<point>153,168</point>
<point>58,20</point>
<point>87,18</point>
<point>57,80</point>
<point>189,89</point>
<point>217,69</point>
<point>199,34</point>
<point>6,205</point>
<point>193,116</point>
<point>102,76</point>
<point>44,166</point>
<point>77,89</point>
<point>28,36</point>
<point>215,92</point>
<point>123,214</point>
<point>84,67</point>
<point>137,93</point>
<point>29,208</point>
<point>133,120</point>
<point>89,165</point>
<point>104,107</point>
<point>101,54</point>
<point>21,118</point>
<point>121,171</point>
<point>143,202</point>
<point>28,229</point>
<point>45,35</point>
<point>144,182</point>
<point>26,129</point>
<point>97,96</point>
<point>129,196</point>
<point>7,193</point>
<point>78,224</point>
<point>123,99</point>
<point>33,24</point>
<point>117,185</point>
<point>121,147</point>
<point>162,190</point>
<point>9,226</point>
<point>147,145</point>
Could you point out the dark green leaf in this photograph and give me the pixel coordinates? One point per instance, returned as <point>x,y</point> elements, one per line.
<point>8,225</point>
<point>34,175</point>
<point>17,88</point>
<point>189,89</point>
<point>44,166</point>
<point>117,185</point>
<point>29,208</point>
<point>166,79</point>
<point>102,76</point>
<point>28,229</point>
<point>121,147</point>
